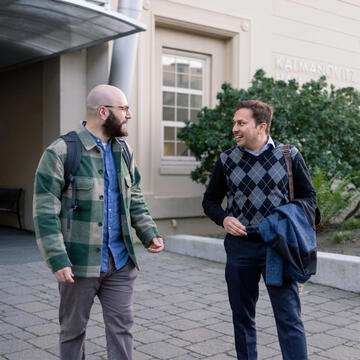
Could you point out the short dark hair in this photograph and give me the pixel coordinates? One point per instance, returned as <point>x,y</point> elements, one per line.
<point>262,112</point>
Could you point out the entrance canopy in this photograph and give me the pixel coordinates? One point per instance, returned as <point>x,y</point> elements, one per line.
<point>33,30</point>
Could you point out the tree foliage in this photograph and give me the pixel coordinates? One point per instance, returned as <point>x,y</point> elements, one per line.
<point>333,195</point>
<point>321,121</point>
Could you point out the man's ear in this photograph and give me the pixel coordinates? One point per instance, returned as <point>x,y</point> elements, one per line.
<point>267,128</point>
<point>263,127</point>
<point>101,112</point>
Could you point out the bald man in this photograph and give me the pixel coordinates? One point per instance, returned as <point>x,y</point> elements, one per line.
<point>96,257</point>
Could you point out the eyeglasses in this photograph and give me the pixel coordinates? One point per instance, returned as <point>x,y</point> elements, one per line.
<point>121,107</point>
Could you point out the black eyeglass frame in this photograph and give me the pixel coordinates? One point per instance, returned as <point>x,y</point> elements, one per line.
<point>125,108</point>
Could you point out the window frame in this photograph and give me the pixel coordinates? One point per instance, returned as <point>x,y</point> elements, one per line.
<point>188,55</point>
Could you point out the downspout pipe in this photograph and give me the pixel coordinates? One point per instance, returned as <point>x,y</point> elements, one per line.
<point>125,49</point>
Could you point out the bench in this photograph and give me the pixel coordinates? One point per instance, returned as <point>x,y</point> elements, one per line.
<point>10,202</point>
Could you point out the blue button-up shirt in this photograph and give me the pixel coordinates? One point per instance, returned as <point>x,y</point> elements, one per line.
<point>270,143</point>
<point>112,225</point>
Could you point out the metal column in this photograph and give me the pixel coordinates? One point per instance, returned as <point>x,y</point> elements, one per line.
<point>125,49</point>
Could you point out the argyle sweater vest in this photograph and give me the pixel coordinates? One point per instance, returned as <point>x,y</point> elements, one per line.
<point>256,184</point>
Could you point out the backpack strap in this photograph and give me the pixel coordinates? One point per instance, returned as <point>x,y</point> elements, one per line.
<point>288,161</point>
<point>127,156</point>
<point>71,165</point>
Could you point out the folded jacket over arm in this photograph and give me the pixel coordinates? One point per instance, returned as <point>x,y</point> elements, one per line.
<point>291,241</point>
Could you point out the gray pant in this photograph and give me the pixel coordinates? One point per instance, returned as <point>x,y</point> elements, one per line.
<point>115,292</point>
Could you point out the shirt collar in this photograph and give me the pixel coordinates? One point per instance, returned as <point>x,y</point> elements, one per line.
<point>97,140</point>
<point>270,143</point>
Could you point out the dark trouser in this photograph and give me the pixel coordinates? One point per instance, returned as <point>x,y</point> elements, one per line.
<point>115,292</point>
<point>245,264</point>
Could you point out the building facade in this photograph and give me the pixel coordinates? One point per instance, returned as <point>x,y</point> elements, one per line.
<point>189,49</point>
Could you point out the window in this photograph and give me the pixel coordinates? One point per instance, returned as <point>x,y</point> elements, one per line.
<point>183,95</point>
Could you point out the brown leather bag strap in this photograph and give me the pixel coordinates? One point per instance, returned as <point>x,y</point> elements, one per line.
<point>288,161</point>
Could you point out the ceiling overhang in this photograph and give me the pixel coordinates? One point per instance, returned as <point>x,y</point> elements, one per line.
<point>33,30</point>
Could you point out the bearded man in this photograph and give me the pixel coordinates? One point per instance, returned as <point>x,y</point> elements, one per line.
<point>96,257</point>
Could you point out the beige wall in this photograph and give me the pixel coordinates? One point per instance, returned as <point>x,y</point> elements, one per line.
<point>323,34</point>
<point>73,89</point>
<point>20,133</point>
<point>311,38</point>
<point>51,103</point>
<point>258,12</point>
<point>67,81</point>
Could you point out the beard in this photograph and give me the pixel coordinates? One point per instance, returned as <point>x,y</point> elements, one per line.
<point>113,127</point>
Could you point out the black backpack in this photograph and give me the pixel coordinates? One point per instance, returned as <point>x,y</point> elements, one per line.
<point>72,162</point>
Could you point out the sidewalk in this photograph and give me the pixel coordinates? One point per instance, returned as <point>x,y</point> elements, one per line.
<point>181,312</point>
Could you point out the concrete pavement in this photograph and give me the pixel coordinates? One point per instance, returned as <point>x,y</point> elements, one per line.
<point>181,311</point>
<point>17,247</point>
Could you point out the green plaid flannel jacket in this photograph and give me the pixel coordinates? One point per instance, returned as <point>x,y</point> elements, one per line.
<point>81,248</point>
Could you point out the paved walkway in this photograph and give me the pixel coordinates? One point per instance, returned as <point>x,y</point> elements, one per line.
<point>14,242</point>
<point>182,312</point>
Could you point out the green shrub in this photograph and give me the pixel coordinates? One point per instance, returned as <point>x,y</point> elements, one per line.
<point>350,224</point>
<point>324,123</point>
<point>333,194</point>
<point>341,236</point>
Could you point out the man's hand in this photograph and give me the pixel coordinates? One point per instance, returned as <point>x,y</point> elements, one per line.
<point>156,245</point>
<point>234,227</point>
<point>64,275</point>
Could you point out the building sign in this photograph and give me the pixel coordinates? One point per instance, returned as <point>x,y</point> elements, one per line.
<point>289,68</point>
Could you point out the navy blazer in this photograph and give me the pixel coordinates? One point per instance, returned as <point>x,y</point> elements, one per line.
<point>291,245</point>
